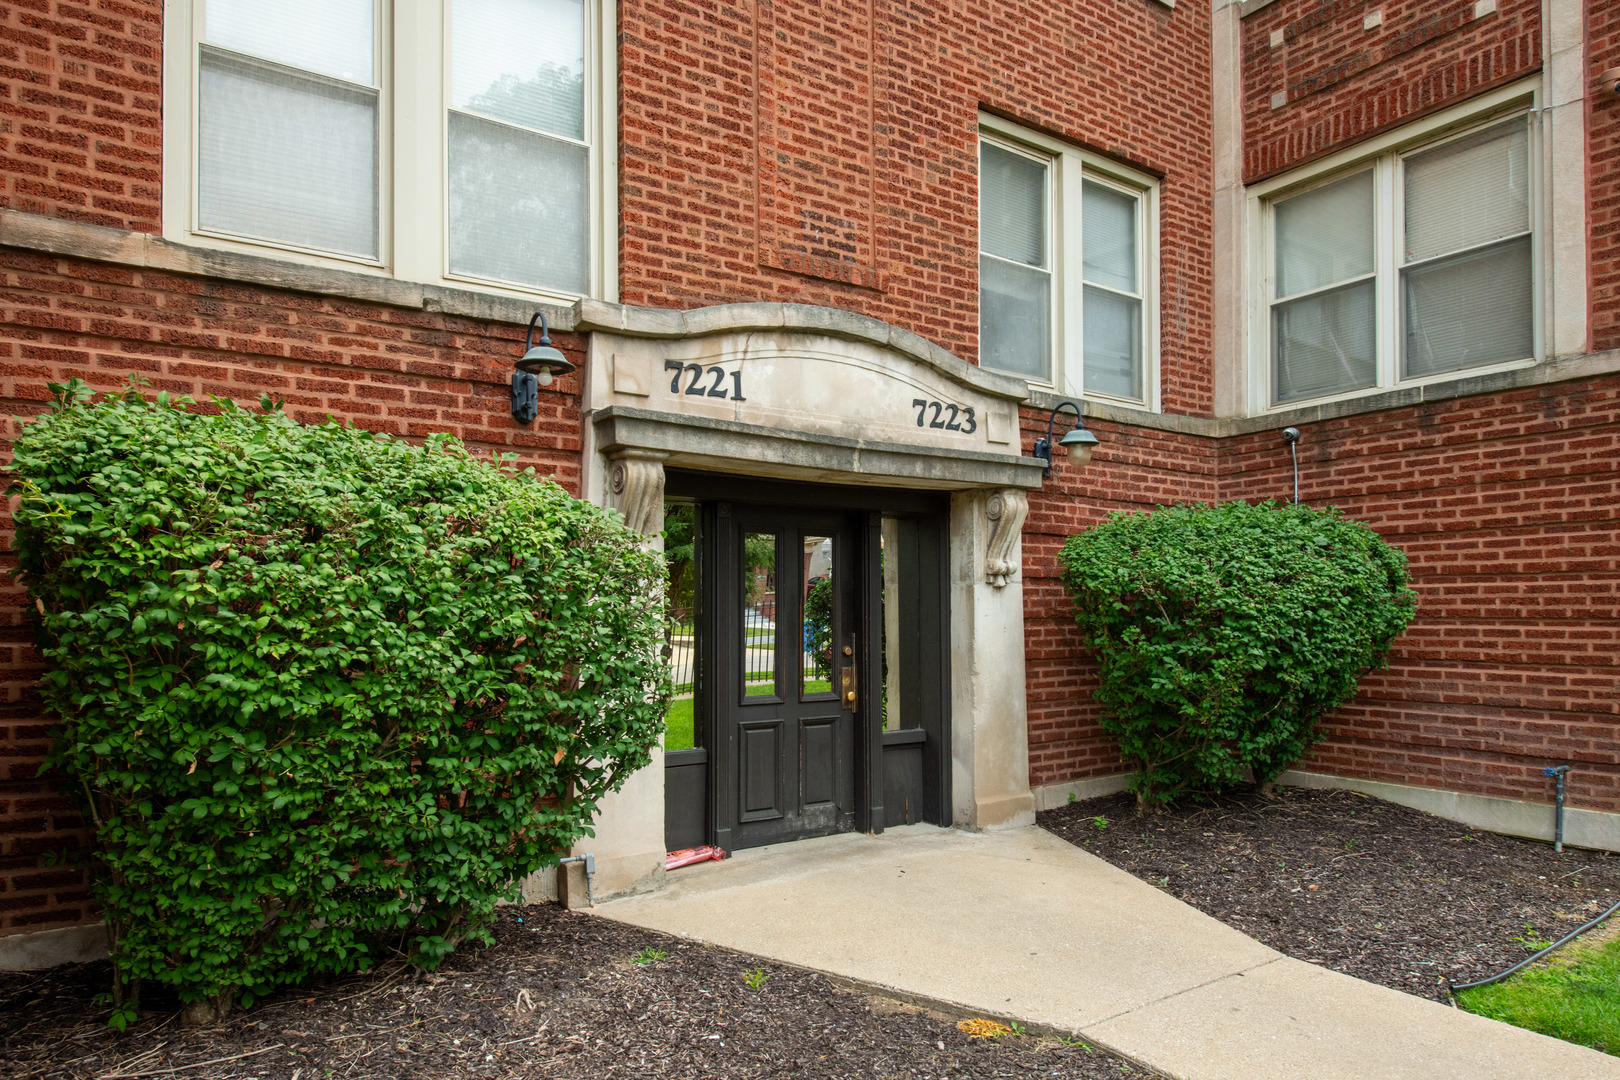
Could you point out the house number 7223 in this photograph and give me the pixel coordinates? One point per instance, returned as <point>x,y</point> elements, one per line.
<point>695,386</point>
<point>947,416</point>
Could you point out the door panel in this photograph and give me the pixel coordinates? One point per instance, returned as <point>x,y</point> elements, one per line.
<point>818,761</point>
<point>786,598</point>
<point>761,752</point>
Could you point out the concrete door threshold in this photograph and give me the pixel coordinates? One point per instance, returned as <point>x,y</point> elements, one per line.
<point>1019,924</point>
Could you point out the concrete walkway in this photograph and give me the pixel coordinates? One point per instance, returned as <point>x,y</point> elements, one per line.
<point>1021,925</point>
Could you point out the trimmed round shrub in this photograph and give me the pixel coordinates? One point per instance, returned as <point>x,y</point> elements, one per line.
<point>321,692</point>
<point>1223,634</point>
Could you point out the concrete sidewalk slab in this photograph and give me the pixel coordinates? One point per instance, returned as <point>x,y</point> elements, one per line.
<point>1289,1018</point>
<point>1023,925</point>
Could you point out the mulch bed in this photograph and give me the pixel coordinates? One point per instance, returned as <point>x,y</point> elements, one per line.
<point>1379,891</point>
<point>559,995</point>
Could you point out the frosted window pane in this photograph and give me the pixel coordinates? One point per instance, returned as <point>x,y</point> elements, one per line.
<point>1014,317</point>
<point>333,37</point>
<point>1012,205</point>
<point>522,61</point>
<point>1469,310</point>
<point>1325,235</point>
<point>286,157</point>
<point>1323,344</point>
<point>518,207</point>
<point>1113,332</point>
<point>1110,237</point>
<point>1469,192</point>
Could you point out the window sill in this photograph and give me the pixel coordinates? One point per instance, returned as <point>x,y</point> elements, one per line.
<point>1562,369</point>
<point>149,251</point>
<point>1044,397</point>
<point>1440,388</point>
<point>1332,400</point>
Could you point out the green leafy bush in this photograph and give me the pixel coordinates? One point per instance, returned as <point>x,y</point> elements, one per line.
<point>1223,634</point>
<point>321,692</point>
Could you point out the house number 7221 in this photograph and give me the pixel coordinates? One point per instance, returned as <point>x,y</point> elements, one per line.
<point>695,387</point>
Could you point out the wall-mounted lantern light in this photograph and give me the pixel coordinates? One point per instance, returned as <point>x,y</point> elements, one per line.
<point>539,365</point>
<point>1079,441</point>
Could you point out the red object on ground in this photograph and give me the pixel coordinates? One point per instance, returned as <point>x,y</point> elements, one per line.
<point>688,856</point>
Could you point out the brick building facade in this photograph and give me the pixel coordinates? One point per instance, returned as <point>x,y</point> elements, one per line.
<point>827,153</point>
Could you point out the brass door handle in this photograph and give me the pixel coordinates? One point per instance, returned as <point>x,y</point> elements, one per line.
<point>847,688</point>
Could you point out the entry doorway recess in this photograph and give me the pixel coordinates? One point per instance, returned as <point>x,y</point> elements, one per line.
<point>808,638</point>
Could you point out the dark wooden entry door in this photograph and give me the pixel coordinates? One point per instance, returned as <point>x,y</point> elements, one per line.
<point>779,593</point>
<point>786,667</point>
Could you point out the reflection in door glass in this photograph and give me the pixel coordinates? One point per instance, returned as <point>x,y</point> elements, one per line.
<point>889,560</point>
<point>816,666</point>
<point>759,614</point>
<point>680,624</point>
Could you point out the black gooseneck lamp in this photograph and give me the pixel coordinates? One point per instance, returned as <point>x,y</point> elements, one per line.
<point>1291,437</point>
<point>1079,441</point>
<point>539,365</point>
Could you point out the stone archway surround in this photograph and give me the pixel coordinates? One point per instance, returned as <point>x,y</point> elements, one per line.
<point>806,393</point>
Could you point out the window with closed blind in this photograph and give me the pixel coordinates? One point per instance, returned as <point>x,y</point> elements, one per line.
<point>463,141</point>
<point>1065,267</point>
<point>1409,265</point>
<point>287,124</point>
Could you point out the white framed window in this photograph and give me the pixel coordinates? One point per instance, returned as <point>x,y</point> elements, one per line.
<point>1068,268</point>
<point>458,142</point>
<point>1411,260</point>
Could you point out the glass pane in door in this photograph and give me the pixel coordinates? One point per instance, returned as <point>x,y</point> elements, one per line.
<point>816,579</point>
<point>759,614</point>
<point>681,593</point>
<point>889,562</point>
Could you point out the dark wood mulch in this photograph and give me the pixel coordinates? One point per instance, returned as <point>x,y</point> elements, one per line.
<point>560,995</point>
<point>1379,891</point>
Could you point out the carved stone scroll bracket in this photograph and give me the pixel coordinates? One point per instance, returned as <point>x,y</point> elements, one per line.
<point>1005,510</point>
<point>637,483</point>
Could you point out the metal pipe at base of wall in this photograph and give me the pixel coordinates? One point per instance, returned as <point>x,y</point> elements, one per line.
<point>589,859</point>
<point>1559,772</point>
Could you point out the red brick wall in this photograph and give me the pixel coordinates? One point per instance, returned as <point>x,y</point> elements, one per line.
<point>1344,83</point>
<point>1603,176</point>
<point>1132,469</point>
<point>80,110</point>
<point>386,369</point>
<point>1508,508</point>
<point>755,148</point>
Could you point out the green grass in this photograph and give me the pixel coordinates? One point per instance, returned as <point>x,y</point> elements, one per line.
<point>678,725</point>
<point>1573,995</point>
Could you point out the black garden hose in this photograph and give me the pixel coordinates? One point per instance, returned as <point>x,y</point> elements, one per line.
<point>1566,939</point>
